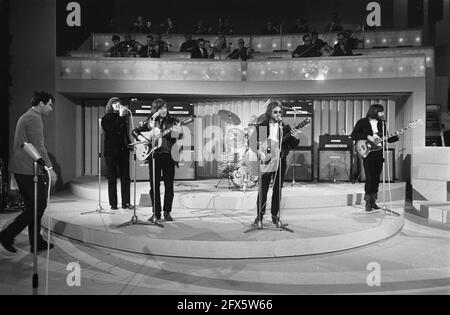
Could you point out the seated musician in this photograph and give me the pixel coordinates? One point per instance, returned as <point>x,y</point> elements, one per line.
<point>342,48</point>
<point>242,52</point>
<point>189,43</point>
<point>269,130</point>
<point>117,49</point>
<point>151,50</point>
<point>130,47</point>
<point>163,46</point>
<point>200,51</point>
<point>370,128</point>
<point>307,50</point>
<point>165,157</point>
<point>221,49</point>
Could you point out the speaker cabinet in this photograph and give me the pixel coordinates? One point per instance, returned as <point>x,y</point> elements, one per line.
<point>391,162</point>
<point>335,165</point>
<point>303,165</point>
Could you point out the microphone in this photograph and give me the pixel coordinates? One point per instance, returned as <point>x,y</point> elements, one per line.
<point>33,153</point>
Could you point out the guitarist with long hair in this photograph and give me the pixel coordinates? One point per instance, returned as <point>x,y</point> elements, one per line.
<point>271,129</point>
<point>165,156</point>
<point>370,128</point>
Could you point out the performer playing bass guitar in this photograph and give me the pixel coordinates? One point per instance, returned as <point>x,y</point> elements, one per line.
<point>370,128</point>
<point>165,156</point>
<point>271,129</point>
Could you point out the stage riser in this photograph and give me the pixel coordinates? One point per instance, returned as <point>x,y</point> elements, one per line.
<point>272,248</point>
<point>293,198</point>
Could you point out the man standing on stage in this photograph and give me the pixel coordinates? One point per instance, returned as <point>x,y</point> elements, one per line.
<point>117,151</point>
<point>371,128</point>
<point>30,129</point>
<point>274,130</point>
<point>165,157</point>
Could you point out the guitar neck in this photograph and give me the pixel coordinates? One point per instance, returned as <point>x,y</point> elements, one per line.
<point>396,133</point>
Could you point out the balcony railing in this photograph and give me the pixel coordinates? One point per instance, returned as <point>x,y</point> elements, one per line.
<point>330,68</point>
<point>269,43</point>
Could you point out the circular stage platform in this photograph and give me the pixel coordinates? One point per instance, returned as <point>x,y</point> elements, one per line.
<point>211,223</point>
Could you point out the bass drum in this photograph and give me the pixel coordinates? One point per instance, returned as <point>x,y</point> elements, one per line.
<point>245,175</point>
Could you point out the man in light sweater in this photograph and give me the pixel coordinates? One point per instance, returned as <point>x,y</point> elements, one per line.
<point>30,128</point>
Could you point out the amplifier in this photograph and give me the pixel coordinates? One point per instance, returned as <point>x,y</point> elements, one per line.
<point>335,142</point>
<point>335,165</point>
<point>177,109</point>
<point>302,167</point>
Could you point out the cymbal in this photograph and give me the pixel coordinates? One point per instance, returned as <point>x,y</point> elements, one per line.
<point>258,120</point>
<point>229,117</point>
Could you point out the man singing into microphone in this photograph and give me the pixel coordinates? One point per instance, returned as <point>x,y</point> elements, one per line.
<point>117,151</point>
<point>30,129</point>
<point>273,129</point>
<point>165,157</point>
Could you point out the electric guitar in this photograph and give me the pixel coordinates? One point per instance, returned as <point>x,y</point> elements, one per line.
<point>269,149</point>
<point>151,140</point>
<point>364,147</point>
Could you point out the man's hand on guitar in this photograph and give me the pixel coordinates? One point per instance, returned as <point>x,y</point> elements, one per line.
<point>371,138</point>
<point>296,133</point>
<point>176,131</point>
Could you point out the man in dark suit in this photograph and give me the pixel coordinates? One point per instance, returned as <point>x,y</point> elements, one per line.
<point>242,52</point>
<point>200,52</point>
<point>370,128</point>
<point>307,50</point>
<point>343,47</point>
<point>271,131</point>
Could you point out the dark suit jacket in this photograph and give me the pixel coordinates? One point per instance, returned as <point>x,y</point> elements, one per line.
<point>363,128</point>
<point>197,54</point>
<point>288,143</point>
<point>116,134</point>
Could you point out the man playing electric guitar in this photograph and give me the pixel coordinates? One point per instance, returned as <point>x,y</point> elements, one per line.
<point>165,156</point>
<point>271,129</point>
<point>371,128</point>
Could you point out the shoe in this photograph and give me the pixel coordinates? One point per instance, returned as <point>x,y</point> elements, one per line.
<point>154,218</point>
<point>43,246</point>
<point>275,220</point>
<point>258,221</point>
<point>127,206</point>
<point>168,217</point>
<point>114,208</point>
<point>7,244</point>
<point>373,202</point>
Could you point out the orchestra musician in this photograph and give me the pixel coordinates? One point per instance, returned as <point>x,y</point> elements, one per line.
<point>242,52</point>
<point>370,128</point>
<point>165,157</point>
<point>270,129</point>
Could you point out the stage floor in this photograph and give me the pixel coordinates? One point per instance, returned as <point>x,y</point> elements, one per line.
<point>210,223</point>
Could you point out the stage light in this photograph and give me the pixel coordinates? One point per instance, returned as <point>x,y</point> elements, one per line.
<point>320,77</point>
<point>307,75</point>
<point>87,70</point>
<point>67,70</point>
<point>368,41</point>
<point>401,68</point>
<point>384,40</point>
<point>289,44</point>
<point>106,44</point>
<point>380,69</point>
<point>417,39</point>
<point>259,46</point>
<point>360,69</point>
<point>274,45</point>
<point>428,59</point>
<point>400,40</point>
<point>106,71</point>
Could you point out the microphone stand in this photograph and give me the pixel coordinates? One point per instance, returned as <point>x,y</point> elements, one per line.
<point>99,209</point>
<point>280,225</point>
<point>35,281</point>
<point>134,219</point>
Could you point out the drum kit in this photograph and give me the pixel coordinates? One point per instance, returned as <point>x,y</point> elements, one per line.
<point>238,164</point>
